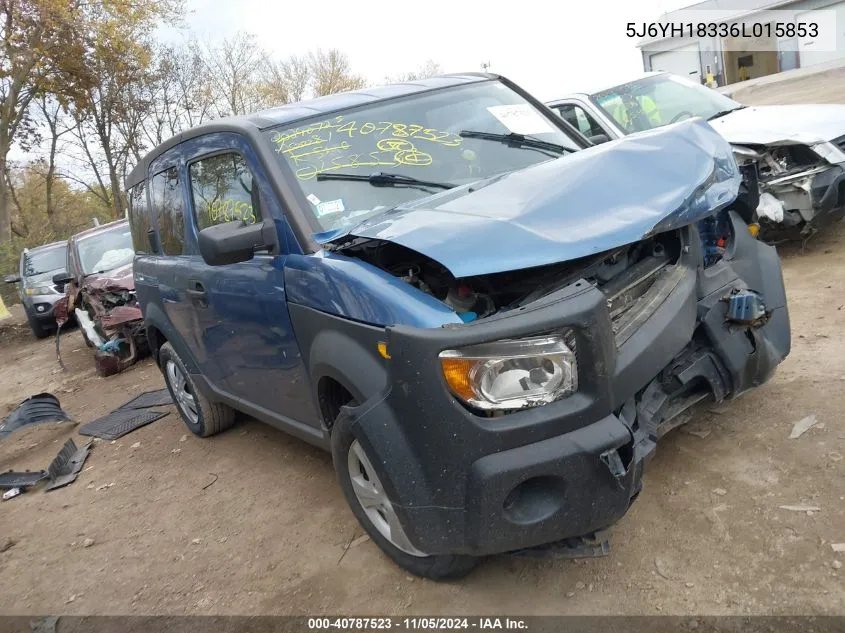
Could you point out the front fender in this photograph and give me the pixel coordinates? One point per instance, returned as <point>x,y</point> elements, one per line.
<point>337,348</point>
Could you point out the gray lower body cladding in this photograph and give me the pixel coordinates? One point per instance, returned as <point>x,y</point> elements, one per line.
<point>463,483</point>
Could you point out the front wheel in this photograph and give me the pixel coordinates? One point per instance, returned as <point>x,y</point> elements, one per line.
<point>370,504</point>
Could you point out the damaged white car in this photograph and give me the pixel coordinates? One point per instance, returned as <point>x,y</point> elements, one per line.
<point>792,157</point>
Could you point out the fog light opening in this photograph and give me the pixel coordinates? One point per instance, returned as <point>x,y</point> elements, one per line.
<point>534,500</point>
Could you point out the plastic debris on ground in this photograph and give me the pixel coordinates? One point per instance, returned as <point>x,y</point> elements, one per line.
<point>158,398</point>
<point>12,479</point>
<point>802,426</point>
<point>11,493</point>
<point>37,409</point>
<point>66,465</point>
<point>120,422</point>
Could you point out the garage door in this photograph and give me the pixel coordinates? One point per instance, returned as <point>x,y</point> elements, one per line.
<point>684,61</point>
<point>809,56</point>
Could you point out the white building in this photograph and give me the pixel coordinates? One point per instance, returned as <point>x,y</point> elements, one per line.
<point>765,55</point>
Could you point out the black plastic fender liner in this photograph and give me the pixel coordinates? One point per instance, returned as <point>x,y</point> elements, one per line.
<point>37,409</point>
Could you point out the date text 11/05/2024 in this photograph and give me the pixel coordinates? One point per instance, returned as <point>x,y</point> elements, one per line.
<point>716,29</point>
<point>416,623</point>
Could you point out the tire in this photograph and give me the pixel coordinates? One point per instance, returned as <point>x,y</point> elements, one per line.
<point>202,416</point>
<point>437,567</point>
<point>38,330</point>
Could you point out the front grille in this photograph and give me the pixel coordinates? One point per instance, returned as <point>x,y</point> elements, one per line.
<point>634,295</point>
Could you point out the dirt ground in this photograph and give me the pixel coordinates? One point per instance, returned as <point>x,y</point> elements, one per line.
<point>251,522</point>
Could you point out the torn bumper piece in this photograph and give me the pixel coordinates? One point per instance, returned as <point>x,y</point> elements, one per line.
<point>465,483</point>
<point>827,192</point>
<point>66,465</point>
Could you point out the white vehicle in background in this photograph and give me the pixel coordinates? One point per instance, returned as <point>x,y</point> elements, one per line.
<point>792,157</point>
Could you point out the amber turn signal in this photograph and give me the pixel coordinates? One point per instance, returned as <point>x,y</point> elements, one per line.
<point>754,229</point>
<point>456,372</point>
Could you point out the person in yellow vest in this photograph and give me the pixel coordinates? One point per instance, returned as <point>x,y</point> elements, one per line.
<point>644,103</point>
<point>743,73</point>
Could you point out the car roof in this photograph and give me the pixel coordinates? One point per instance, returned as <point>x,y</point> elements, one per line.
<point>45,247</point>
<point>292,112</point>
<point>99,229</point>
<point>605,86</point>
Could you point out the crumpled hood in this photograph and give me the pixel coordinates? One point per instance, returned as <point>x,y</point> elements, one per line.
<point>583,203</point>
<point>117,279</point>
<point>777,124</point>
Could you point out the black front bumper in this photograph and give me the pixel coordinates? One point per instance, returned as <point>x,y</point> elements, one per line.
<point>462,483</point>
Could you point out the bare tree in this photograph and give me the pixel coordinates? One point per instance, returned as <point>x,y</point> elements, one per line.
<point>285,81</point>
<point>54,116</point>
<point>234,69</point>
<point>331,72</point>
<point>429,69</point>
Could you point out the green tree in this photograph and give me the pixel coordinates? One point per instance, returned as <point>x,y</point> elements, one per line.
<point>42,52</point>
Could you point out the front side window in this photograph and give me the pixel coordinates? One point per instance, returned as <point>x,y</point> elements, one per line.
<point>660,100</point>
<point>44,261</point>
<point>223,190</point>
<point>444,138</point>
<point>580,119</point>
<point>106,250</point>
<point>169,208</point>
<point>139,217</point>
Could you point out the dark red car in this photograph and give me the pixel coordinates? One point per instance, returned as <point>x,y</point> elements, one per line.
<point>100,293</point>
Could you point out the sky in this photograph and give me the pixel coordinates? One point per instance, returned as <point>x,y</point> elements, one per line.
<point>549,48</point>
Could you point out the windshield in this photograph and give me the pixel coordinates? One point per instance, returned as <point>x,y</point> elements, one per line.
<point>46,261</point>
<point>105,251</point>
<point>413,138</point>
<point>659,100</point>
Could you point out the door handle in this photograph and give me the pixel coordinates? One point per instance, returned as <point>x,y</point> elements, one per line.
<point>196,291</point>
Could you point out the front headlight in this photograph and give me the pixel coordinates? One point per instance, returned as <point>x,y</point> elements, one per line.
<point>40,290</point>
<point>512,374</point>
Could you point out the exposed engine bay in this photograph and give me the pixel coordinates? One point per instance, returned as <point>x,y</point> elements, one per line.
<point>111,321</point>
<point>627,274</point>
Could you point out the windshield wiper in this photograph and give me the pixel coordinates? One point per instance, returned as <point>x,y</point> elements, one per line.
<point>724,112</point>
<point>382,179</point>
<point>517,140</point>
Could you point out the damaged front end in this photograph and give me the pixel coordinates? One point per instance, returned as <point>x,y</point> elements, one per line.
<point>586,304</point>
<point>801,187</point>
<point>106,309</point>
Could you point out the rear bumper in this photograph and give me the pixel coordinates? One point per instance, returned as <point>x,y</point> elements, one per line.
<point>462,483</point>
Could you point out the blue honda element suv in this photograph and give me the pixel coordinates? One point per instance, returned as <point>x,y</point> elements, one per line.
<point>486,319</point>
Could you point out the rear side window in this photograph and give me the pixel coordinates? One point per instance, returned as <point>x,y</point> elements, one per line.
<point>223,190</point>
<point>169,208</point>
<point>139,218</point>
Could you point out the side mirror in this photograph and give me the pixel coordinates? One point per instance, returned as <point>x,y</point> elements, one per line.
<point>12,279</point>
<point>62,278</point>
<point>236,241</point>
<point>598,139</point>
